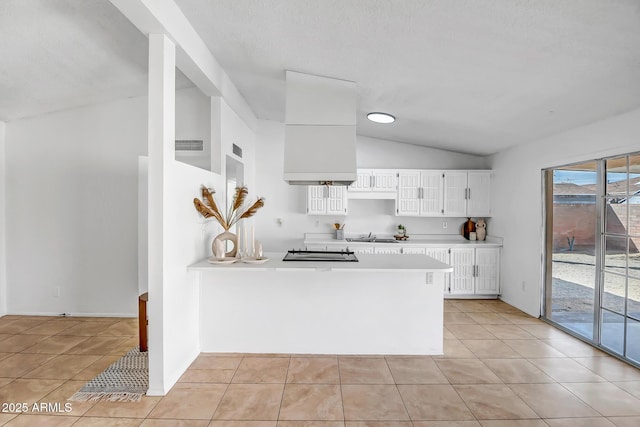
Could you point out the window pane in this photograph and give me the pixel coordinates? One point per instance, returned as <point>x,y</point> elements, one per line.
<point>633,340</point>
<point>633,302</point>
<point>613,292</point>
<point>613,331</point>
<point>615,257</point>
<point>616,184</point>
<point>634,166</point>
<point>615,216</point>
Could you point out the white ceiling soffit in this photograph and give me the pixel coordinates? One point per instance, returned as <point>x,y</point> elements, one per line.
<point>462,75</point>
<point>60,54</point>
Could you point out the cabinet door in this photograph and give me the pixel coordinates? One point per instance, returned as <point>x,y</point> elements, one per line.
<point>407,202</point>
<point>363,181</point>
<point>337,200</point>
<point>316,200</point>
<point>362,250</point>
<point>455,194</point>
<point>487,271</point>
<point>384,181</point>
<point>479,202</point>
<point>461,280</point>
<point>413,250</point>
<point>431,193</point>
<point>387,250</point>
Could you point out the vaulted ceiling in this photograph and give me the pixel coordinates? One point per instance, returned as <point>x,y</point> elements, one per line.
<point>462,75</point>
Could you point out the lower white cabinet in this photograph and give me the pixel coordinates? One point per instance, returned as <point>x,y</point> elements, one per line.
<point>362,250</point>
<point>387,250</point>
<point>414,250</point>
<point>475,271</point>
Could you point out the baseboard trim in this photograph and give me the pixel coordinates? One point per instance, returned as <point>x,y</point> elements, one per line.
<point>57,314</point>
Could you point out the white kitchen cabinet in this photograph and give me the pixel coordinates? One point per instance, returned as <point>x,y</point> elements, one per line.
<point>462,278</point>
<point>414,250</point>
<point>374,184</point>
<point>419,193</point>
<point>326,200</point>
<point>467,193</point>
<point>387,250</point>
<point>487,271</point>
<point>475,271</point>
<point>408,197</point>
<point>362,250</point>
<point>455,194</point>
<point>479,196</point>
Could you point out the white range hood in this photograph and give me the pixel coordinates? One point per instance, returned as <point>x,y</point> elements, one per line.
<point>320,131</point>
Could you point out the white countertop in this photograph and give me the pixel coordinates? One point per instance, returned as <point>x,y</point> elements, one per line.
<point>366,262</point>
<point>448,241</point>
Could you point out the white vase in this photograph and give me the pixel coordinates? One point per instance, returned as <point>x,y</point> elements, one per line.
<point>227,235</point>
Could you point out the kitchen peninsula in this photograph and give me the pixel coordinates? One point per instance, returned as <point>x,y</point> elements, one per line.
<point>379,305</point>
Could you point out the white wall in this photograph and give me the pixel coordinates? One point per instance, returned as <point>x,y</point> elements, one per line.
<point>193,121</point>
<point>3,230</point>
<point>289,202</point>
<point>71,202</point>
<point>517,196</point>
<point>187,240</point>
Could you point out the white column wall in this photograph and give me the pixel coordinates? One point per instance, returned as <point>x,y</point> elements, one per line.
<point>161,122</point>
<point>517,197</point>
<point>3,228</point>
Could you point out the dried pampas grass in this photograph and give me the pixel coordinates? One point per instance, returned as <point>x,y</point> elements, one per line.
<point>209,208</point>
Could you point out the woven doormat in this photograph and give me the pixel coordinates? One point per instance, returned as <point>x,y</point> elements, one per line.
<point>127,379</point>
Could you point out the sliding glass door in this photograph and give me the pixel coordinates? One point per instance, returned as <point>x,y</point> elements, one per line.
<point>571,267</point>
<point>620,306</point>
<point>592,259</point>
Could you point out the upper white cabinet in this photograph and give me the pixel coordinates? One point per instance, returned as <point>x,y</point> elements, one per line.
<point>374,183</point>
<point>479,196</point>
<point>428,193</point>
<point>326,200</point>
<point>467,193</point>
<point>419,193</point>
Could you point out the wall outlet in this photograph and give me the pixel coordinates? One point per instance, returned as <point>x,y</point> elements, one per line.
<point>524,285</point>
<point>56,292</point>
<point>445,224</point>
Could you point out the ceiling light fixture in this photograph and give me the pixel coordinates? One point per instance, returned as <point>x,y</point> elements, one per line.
<point>381,117</point>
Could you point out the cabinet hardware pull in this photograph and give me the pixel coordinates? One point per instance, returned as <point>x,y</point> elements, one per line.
<point>469,193</point>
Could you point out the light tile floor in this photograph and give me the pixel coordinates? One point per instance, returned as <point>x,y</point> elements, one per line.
<point>501,368</point>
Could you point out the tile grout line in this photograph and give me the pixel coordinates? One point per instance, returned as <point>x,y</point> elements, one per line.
<point>284,386</point>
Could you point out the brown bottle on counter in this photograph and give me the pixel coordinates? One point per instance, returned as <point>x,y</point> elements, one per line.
<point>468,227</point>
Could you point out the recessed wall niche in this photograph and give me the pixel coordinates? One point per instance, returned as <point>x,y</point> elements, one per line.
<point>197,123</point>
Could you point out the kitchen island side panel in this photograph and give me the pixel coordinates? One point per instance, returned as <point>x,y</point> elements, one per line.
<point>321,312</point>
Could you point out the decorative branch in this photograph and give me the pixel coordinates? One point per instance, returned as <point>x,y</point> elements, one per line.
<point>209,208</point>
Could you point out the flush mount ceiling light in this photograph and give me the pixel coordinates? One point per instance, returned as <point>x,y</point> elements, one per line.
<point>381,117</point>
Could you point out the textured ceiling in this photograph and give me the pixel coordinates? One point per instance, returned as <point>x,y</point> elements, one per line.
<point>60,54</point>
<point>463,75</point>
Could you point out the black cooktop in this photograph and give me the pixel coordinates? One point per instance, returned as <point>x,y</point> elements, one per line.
<point>304,255</point>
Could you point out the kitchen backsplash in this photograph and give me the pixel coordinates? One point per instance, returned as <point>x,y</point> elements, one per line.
<point>378,216</point>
